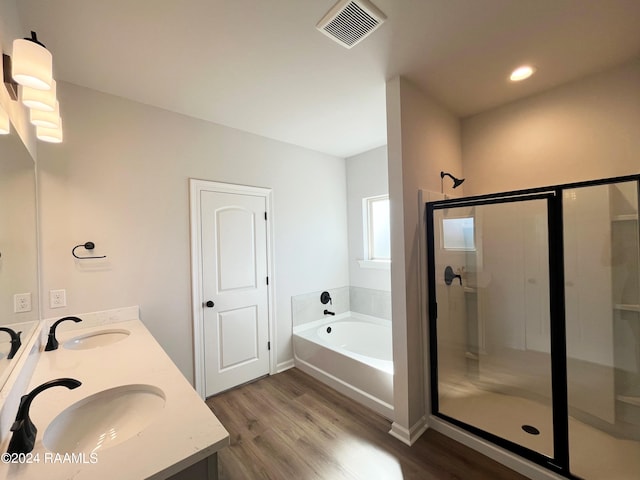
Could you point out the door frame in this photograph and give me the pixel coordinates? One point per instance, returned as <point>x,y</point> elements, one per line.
<point>196,187</point>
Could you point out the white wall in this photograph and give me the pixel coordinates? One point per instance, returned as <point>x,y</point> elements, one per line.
<point>583,130</point>
<point>366,177</point>
<point>120,179</point>
<point>423,139</point>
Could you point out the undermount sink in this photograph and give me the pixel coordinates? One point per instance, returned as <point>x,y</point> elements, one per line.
<point>104,419</point>
<point>96,339</point>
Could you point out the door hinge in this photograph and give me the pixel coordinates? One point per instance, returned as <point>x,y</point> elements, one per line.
<point>265,215</point>
<point>267,280</point>
<point>268,345</point>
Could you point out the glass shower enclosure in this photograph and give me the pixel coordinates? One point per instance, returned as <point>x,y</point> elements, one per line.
<point>534,323</point>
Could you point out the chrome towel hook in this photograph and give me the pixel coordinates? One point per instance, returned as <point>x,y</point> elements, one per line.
<point>88,246</point>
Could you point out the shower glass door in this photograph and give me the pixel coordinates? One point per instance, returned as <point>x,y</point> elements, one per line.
<point>491,363</point>
<point>534,323</point>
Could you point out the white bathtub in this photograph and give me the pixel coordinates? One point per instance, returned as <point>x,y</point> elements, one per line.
<point>352,353</point>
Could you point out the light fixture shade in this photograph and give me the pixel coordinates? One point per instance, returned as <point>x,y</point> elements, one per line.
<point>40,118</point>
<point>35,99</point>
<point>5,125</point>
<point>32,64</point>
<point>51,135</point>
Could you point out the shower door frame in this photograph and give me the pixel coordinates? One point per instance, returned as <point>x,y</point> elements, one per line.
<point>559,463</point>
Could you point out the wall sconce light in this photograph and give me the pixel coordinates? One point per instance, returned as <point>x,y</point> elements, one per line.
<point>35,99</point>
<point>40,118</point>
<point>50,135</point>
<point>10,84</point>
<point>32,63</point>
<point>30,73</point>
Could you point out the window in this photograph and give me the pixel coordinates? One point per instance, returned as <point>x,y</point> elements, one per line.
<point>376,228</point>
<point>458,234</point>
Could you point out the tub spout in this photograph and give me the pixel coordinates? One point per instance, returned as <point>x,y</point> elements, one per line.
<point>327,312</point>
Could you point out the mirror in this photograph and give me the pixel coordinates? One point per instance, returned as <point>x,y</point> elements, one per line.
<point>19,299</point>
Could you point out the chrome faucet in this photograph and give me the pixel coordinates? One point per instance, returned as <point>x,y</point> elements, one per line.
<point>24,431</point>
<point>52,342</point>
<point>15,341</point>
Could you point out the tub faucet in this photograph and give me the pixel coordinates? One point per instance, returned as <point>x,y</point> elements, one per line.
<point>327,312</point>
<point>15,341</point>
<point>24,431</point>
<point>52,342</point>
<point>325,298</point>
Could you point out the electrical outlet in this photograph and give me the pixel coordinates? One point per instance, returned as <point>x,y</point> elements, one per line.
<point>21,302</point>
<point>57,298</point>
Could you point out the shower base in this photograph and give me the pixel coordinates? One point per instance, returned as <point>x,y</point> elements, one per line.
<point>594,455</point>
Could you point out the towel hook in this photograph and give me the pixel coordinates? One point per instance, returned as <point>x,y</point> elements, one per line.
<point>88,246</point>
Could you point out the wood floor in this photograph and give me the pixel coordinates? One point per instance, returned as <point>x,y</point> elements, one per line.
<point>291,427</point>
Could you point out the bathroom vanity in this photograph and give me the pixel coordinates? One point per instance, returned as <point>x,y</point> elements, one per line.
<point>134,416</point>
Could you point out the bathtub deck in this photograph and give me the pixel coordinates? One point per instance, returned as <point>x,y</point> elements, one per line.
<point>290,425</point>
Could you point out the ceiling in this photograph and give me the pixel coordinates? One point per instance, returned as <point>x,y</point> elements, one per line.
<point>261,65</point>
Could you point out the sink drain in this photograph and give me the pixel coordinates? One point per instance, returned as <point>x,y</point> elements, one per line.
<point>531,430</point>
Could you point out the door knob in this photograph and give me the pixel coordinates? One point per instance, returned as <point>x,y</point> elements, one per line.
<point>208,304</point>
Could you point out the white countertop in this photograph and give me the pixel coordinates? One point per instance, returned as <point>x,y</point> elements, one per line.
<point>185,432</point>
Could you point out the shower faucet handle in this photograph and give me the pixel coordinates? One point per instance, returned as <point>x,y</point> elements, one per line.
<point>449,276</point>
<point>325,298</point>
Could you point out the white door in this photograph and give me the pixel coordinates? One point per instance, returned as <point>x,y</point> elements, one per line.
<point>234,289</point>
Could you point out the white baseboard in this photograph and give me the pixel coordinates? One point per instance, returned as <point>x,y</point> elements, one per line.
<point>281,367</point>
<point>408,436</point>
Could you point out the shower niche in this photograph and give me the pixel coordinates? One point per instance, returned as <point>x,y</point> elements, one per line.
<point>536,345</point>
<point>626,306</point>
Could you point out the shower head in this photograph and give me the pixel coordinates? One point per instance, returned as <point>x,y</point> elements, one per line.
<point>456,181</point>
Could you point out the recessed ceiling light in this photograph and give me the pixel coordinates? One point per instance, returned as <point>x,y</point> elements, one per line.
<point>522,73</point>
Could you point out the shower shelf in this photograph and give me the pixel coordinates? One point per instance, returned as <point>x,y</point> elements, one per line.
<point>625,218</point>
<point>627,307</point>
<point>629,399</point>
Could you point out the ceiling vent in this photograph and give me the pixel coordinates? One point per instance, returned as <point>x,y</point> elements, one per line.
<point>350,21</point>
